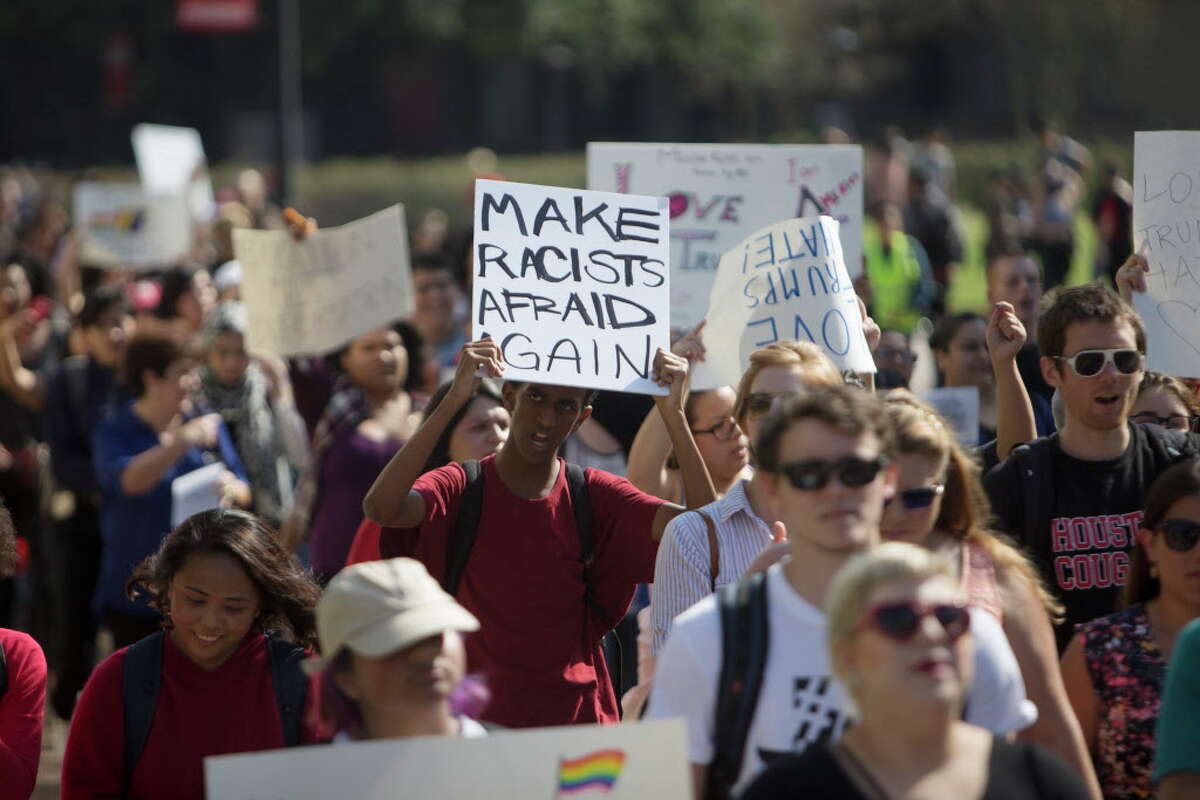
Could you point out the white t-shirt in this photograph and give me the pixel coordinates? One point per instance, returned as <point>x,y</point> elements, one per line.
<point>800,701</point>
<point>469,729</point>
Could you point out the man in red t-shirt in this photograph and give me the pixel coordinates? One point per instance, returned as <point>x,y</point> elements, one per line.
<point>539,645</point>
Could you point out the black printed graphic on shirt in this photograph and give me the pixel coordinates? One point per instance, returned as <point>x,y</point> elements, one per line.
<point>818,718</point>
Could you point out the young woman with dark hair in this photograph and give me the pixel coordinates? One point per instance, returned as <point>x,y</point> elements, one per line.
<point>375,408</point>
<point>1115,666</point>
<point>239,610</point>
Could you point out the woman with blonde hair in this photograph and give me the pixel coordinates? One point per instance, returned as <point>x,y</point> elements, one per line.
<point>940,504</point>
<point>899,640</point>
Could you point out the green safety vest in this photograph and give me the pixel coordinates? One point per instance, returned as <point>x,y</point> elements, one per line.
<point>893,275</point>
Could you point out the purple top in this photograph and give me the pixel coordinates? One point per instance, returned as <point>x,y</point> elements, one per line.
<point>350,466</point>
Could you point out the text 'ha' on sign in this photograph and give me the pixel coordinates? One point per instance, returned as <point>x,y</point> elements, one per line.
<point>787,281</point>
<point>572,284</point>
<point>1166,230</point>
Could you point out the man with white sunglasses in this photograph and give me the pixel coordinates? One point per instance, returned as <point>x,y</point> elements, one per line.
<point>1074,499</point>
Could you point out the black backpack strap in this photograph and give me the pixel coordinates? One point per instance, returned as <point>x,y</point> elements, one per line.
<point>75,376</point>
<point>581,505</point>
<point>291,685</point>
<point>745,642</point>
<point>3,671</point>
<point>466,527</point>
<point>1035,465</point>
<point>141,675</point>
<point>714,552</point>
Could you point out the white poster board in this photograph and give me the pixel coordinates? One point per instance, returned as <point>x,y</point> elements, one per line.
<point>959,405</point>
<point>721,193</point>
<point>573,285</point>
<point>123,226</point>
<point>171,160</point>
<point>634,761</point>
<point>315,295</point>
<point>786,281</point>
<point>1166,230</point>
<point>195,491</point>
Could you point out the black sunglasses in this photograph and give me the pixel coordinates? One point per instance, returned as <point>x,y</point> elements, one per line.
<point>815,474</point>
<point>1089,363</point>
<point>1180,535</point>
<point>901,621</point>
<point>921,497</point>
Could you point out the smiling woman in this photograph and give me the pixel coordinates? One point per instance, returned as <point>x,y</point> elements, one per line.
<point>223,678</point>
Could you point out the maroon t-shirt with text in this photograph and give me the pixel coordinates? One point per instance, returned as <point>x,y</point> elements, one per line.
<point>538,647</point>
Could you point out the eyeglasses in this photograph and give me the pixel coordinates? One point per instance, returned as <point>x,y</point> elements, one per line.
<point>1180,535</point>
<point>723,431</point>
<point>901,621</point>
<point>1179,422</point>
<point>759,403</point>
<point>886,353</point>
<point>1089,363</point>
<point>815,474</point>
<point>921,497</point>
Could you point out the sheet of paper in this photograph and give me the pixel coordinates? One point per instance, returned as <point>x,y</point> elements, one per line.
<point>721,193</point>
<point>171,161</point>
<point>1166,230</point>
<point>786,281</point>
<point>572,284</point>
<point>316,295</point>
<point>620,762</point>
<point>195,491</point>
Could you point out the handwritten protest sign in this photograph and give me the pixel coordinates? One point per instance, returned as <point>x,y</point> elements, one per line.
<point>786,281</point>
<point>572,284</point>
<point>316,295</point>
<point>720,194</point>
<point>1166,230</point>
<point>620,762</point>
<point>171,160</point>
<point>125,227</point>
<point>960,407</point>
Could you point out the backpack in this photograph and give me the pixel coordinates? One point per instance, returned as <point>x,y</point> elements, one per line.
<point>142,674</point>
<point>3,671</point>
<point>466,529</point>
<point>745,643</point>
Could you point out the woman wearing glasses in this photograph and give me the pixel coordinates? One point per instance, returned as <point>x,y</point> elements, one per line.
<point>1166,401</point>
<point>940,504</point>
<point>1114,667</point>
<point>899,642</point>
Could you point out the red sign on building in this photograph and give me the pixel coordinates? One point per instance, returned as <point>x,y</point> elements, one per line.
<point>216,16</point>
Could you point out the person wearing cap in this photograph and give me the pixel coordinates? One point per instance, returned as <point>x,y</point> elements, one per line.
<point>394,656</point>
<point>227,280</point>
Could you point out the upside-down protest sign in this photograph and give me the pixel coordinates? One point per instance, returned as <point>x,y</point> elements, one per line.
<point>573,285</point>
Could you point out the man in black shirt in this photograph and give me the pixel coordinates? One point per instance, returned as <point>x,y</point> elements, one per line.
<point>1074,499</point>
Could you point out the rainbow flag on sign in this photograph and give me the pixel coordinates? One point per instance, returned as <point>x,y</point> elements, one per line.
<point>598,770</point>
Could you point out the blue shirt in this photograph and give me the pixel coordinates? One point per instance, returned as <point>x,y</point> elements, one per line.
<point>133,526</point>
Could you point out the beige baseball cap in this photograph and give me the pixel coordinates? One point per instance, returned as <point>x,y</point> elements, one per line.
<point>379,607</point>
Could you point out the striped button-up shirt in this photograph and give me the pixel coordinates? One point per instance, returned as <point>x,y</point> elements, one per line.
<point>683,572</point>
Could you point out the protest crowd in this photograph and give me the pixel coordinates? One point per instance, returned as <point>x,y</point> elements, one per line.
<point>211,548</point>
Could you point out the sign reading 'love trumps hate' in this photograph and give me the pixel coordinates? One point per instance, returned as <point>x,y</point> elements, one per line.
<point>1166,230</point>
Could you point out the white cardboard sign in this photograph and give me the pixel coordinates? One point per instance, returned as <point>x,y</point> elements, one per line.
<point>618,762</point>
<point>315,295</point>
<point>786,281</point>
<point>1166,230</point>
<point>171,160</point>
<point>721,193</point>
<point>196,491</point>
<point>123,226</point>
<point>573,285</point>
